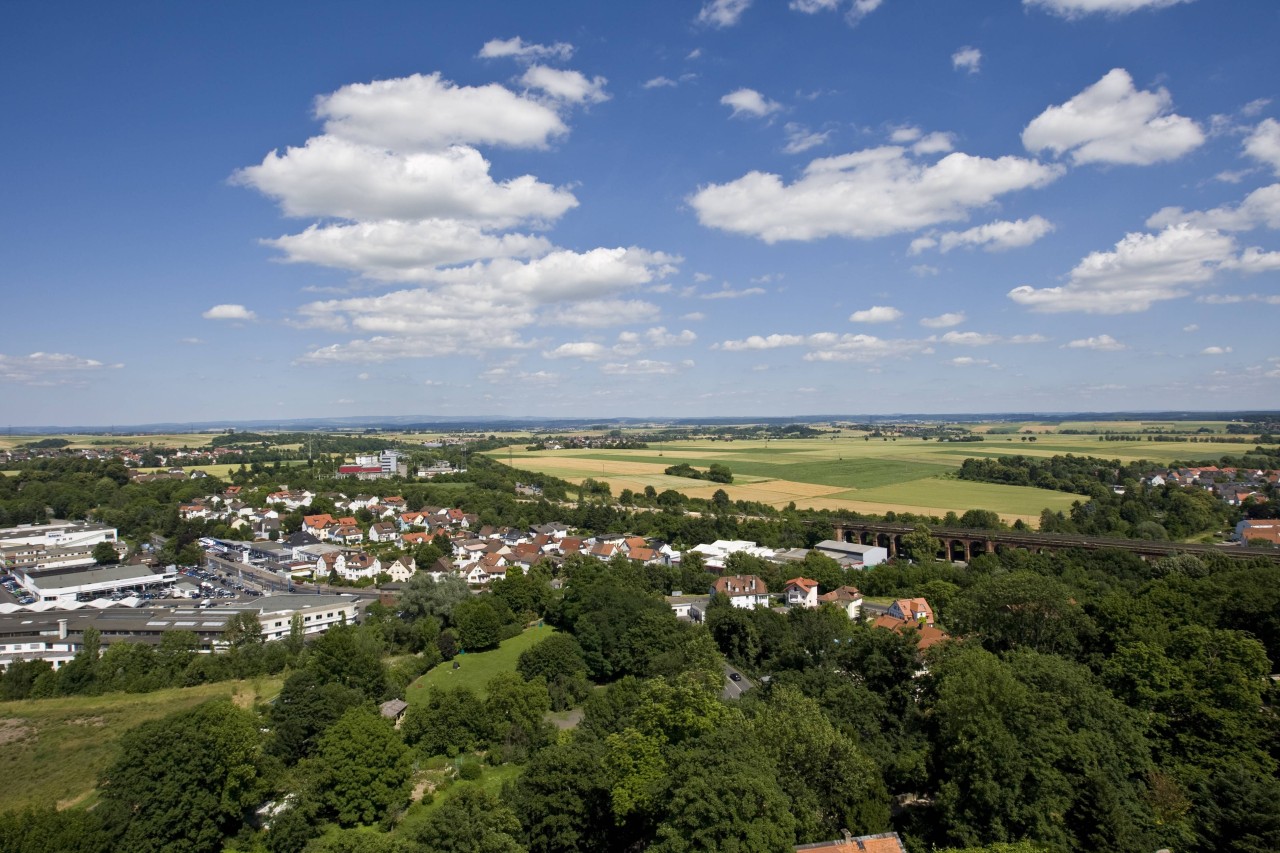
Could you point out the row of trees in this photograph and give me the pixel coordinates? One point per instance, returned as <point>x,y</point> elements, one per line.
<point>716,473</point>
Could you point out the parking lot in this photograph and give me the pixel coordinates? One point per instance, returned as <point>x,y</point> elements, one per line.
<point>14,593</point>
<point>221,585</point>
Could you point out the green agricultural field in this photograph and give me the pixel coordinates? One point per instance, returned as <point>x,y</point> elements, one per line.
<point>476,670</point>
<point>859,473</point>
<point>55,749</point>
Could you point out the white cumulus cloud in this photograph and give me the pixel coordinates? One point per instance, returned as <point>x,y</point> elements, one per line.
<point>876,314</point>
<point>992,237</point>
<point>519,49</point>
<point>572,87</point>
<point>658,83</point>
<point>722,13</point>
<point>800,138</point>
<point>229,312</point>
<point>642,367</point>
<point>423,112</point>
<point>943,321</point>
<point>1263,144</point>
<point>749,102</point>
<point>588,350</point>
<point>442,318</point>
<point>397,250</point>
<point>1072,9</point>
<point>1104,343</point>
<point>870,193</point>
<point>856,11</point>
<point>49,368</point>
<point>333,177</point>
<point>1259,208</point>
<point>1141,270</point>
<point>1112,122</point>
<point>967,59</point>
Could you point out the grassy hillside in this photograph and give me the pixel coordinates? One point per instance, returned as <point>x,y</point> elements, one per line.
<point>53,750</point>
<point>475,670</point>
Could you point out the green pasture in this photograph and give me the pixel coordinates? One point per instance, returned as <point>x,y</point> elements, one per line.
<point>54,750</point>
<point>476,670</point>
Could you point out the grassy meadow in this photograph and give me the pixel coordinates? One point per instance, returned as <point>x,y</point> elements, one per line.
<point>475,670</point>
<point>55,749</point>
<point>860,474</point>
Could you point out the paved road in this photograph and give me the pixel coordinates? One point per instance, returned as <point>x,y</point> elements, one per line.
<point>734,689</point>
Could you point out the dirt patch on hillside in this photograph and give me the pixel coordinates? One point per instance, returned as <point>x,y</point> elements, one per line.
<point>72,802</point>
<point>95,722</point>
<point>13,730</point>
<point>245,696</point>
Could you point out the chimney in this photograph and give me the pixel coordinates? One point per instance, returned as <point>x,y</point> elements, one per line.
<point>62,629</point>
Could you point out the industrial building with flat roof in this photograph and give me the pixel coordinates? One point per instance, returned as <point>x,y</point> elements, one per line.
<point>56,636</point>
<point>66,585</point>
<point>58,544</point>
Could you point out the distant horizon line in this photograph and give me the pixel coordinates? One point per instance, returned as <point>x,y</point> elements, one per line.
<point>401,422</point>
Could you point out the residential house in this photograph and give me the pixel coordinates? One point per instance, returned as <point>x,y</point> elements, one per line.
<point>801,592</point>
<point>350,565</point>
<point>916,609</point>
<point>645,556</point>
<point>745,591</point>
<point>927,634</point>
<point>318,525</point>
<point>401,570</point>
<point>846,597</point>
<point>383,531</point>
<point>346,534</point>
<point>603,551</point>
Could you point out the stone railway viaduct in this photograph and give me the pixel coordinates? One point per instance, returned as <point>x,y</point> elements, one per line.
<point>961,543</point>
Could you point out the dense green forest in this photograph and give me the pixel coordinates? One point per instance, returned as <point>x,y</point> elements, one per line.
<point>1089,700</point>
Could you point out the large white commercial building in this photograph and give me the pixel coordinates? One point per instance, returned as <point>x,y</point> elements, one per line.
<point>56,545</point>
<point>67,585</point>
<point>56,636</point>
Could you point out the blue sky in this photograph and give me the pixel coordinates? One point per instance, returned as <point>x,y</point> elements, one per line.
<point>737,207</point>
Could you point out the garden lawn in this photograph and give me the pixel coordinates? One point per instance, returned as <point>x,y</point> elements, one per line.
<point>476,669</point>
